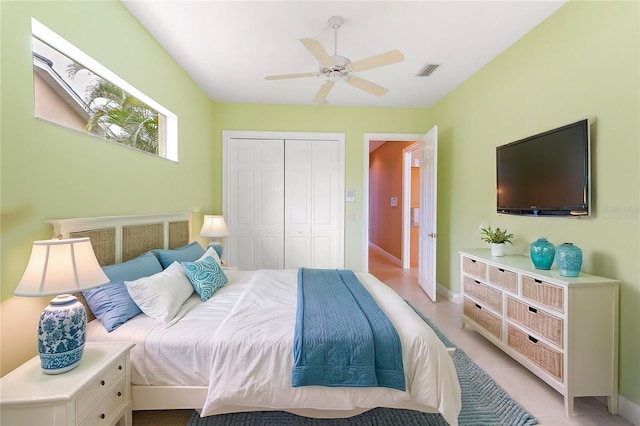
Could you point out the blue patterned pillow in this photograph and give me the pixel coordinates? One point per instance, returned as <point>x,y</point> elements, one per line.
<point>206,276</point>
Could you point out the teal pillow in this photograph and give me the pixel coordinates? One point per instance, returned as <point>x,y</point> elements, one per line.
<point>187,253</point>
<point>206,276</point>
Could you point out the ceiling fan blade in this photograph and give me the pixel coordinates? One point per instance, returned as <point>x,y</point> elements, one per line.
<point>390,57</point>
<point>283,76</point>
<point>323,92</point>
<point>317,50</point>
<point>367,86</point>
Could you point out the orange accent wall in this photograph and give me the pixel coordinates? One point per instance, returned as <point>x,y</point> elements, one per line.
<point>385,181</point>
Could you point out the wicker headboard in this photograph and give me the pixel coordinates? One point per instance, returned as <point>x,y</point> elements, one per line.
<point>116,239</point>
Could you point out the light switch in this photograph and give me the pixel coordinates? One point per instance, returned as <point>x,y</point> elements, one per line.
<point>351,196</point>
<point>394,201</point>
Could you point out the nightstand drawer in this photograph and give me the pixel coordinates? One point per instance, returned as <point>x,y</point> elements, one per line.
<point>536,320</point>
<point>486,295</point>
<point>98,387</point>
<point>109,409</point>
<point>546,294</point>
<point>474,267</point>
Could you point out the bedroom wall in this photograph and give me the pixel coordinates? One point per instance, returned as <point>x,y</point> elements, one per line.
<point>582,62</point>
<point>385,225</point>
<point>50,172</point>
<point>354,122</point>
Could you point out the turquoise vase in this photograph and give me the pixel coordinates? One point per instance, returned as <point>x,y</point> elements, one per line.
<point>569,259</point>
<point>542,253</point>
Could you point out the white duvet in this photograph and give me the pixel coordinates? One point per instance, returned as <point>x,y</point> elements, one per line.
<point>240,345</point>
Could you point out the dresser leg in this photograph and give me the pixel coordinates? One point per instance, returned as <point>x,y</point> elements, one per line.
<point>568,405</point>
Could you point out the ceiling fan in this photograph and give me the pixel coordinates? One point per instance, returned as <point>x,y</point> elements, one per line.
<point>338,68</point>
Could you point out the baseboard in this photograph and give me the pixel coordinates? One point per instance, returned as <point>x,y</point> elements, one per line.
<point>629,411</point>
<point>455,298</point>
<point>386,254</point>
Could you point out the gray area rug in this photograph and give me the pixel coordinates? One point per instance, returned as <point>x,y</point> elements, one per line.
<point>483,403</point>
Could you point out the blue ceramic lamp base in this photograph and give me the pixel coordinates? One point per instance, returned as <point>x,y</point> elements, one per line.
<point>61,334</point>
<point>217,246</point>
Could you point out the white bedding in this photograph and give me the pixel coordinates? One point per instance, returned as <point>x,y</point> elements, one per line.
<point>239,344</point>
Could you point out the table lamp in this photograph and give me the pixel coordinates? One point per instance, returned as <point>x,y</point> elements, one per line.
<point>214,227</point>
<point>58,267</point>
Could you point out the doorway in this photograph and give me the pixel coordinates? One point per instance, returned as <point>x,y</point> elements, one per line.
<point>428,204</point>
<point>399,256</point>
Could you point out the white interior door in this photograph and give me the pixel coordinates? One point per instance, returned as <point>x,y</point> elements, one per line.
<point>255,209</point>
<point>313,194</point>
<point>428,212</point>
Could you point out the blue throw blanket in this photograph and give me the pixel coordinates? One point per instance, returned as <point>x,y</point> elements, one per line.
<point>342,338</point>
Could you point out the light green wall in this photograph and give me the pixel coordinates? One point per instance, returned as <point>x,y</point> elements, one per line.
<point>353,122</point>
<point>582,62</point>
<point>49,172</point>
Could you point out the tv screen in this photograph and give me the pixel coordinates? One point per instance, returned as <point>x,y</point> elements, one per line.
<point>545,174</point>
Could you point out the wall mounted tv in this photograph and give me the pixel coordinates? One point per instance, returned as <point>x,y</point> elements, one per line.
<point>547,174</point>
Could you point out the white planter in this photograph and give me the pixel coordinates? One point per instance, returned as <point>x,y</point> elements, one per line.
<point>497,250</point>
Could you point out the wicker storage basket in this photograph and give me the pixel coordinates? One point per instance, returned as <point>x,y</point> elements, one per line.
<point>538,321</point>
<point>549,295</point>
<point>474,267</point>
<point>486,319</point>
<point>541,354</point>
<point>488,296</point>
<point>502,278</point>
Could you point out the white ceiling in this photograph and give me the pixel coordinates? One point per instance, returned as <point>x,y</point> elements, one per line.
<point>228,47</point>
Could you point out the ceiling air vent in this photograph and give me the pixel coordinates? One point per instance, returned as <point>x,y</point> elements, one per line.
<point>428,70</point>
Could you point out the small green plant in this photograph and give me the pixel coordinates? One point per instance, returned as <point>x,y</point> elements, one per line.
<point>496,236</point>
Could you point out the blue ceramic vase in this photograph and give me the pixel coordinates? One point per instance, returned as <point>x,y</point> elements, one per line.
<point>569,260</point>
<point>542,253</point>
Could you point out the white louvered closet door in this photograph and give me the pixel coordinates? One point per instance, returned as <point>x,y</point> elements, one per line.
<point>255,211</point>
<point>313,190</point>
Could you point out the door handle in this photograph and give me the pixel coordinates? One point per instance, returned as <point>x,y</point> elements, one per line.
<point>432,235</point>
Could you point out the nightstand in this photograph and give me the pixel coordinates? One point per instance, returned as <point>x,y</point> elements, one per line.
<point>96,392</point>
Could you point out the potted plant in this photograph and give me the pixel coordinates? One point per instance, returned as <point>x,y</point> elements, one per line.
<point>497,238</point>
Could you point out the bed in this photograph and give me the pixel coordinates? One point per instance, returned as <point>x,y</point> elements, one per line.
<point>233,352</point>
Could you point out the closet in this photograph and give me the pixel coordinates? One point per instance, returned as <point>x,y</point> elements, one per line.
<point>283,201</point>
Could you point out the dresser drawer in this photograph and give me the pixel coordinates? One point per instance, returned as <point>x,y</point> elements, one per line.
<point>488,296</point>
<point>98,387</point>
<point>546,294</point>
<point>503,278</point>
<point>489,321</point>
<point>108,410</point>
<point>474,267</point>
<point>538,352</point>
<point>536,320</point>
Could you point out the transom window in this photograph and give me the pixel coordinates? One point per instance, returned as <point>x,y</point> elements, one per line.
<point>75,91</point>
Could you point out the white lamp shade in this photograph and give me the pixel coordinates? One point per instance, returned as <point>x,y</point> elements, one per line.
<point>61,266</point>
<point>214,226</point>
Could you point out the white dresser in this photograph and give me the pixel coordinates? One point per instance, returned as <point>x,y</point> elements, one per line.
<point>563,329</point>
<point>96,392</point>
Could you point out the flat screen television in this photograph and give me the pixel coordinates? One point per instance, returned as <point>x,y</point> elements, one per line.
<point>547,174</point>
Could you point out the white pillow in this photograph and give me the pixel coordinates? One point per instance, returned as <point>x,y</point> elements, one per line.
<point>161,295</point>
<point>211,252</point>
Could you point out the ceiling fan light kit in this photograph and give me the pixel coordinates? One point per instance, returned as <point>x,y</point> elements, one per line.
<point>337,68</point>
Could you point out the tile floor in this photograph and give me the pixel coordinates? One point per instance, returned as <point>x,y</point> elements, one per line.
<point>532,393</point>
